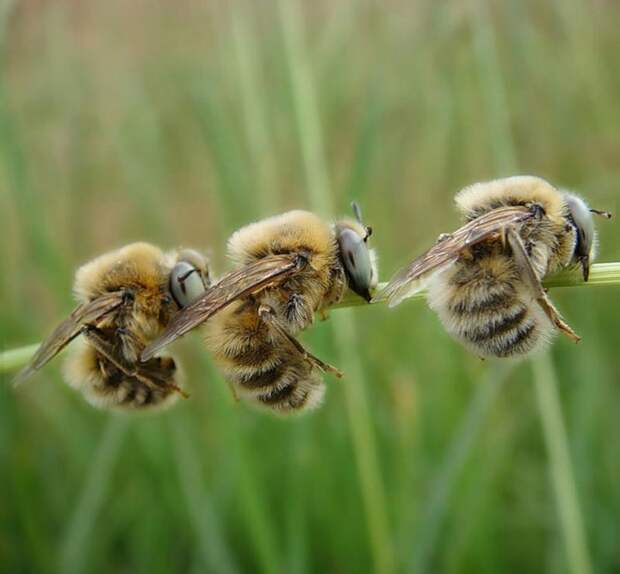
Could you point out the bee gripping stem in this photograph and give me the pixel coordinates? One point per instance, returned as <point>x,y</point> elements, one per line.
<point>601,274</point>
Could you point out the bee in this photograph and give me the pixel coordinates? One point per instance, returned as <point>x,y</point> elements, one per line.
<point>485,279</point>
<point>125,299</point>
<point>254,339</point>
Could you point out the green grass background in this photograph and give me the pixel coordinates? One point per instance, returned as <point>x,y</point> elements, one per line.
<point>177,122</point>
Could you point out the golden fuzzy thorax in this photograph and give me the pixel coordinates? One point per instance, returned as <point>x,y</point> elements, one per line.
<point>320,284</point>
<point>291,231</point>
<point>140,268</point>
<point>481,197</point>
<point>553,238</point>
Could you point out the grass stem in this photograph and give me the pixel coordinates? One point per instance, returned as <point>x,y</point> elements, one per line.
<point>601,275</point>
<point>562,476</point>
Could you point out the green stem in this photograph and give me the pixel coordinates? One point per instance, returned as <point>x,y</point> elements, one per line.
<point>562,477</point>
<point>16,358</point>
<point>601,274</point>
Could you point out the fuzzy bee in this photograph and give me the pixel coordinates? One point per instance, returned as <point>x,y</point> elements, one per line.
<point>126,298</point>
<point>253,340</point>
<point>484,280</point>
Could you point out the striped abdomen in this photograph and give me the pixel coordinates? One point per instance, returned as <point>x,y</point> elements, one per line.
<point>485,305</point>
<point>258,365</point>
<point>105,386</point>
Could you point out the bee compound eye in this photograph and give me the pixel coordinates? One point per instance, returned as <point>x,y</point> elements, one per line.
<point>357,262</point>
<point>186,283</point>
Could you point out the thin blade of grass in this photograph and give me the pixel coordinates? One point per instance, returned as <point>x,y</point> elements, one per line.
<point>549,406</point>
<point>306,110</point>
<point>562,478</point>
<point>319,194</point>
<point>215,553</point>
<point>259,139</point>
<point>75,544</point>
<point>493,90</point>
<point>233,177</point>
<point>461,446</point>
<point>255,121</point>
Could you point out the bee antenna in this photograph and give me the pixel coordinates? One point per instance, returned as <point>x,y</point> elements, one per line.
<point>357,211</point>
<point>605,214</point>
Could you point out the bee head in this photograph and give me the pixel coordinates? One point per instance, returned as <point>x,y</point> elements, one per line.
<point>581,217</point>
<point>358,260</point>
<point>189,277</point>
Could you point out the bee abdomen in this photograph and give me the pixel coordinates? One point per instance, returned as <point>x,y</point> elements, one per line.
<point>509,329</point>
<point>288,386</point>
<point>488,303</point>
<point>260,380</point>
<point>259,365</point>
<point>488,315</point>
<point>105,386</point>
<point>134,394</point>
<point>303,392</point>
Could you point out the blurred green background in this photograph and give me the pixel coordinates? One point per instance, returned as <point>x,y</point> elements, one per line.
<point>177,122</point>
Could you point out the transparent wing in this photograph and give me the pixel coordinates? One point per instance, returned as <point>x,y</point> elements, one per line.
<point>69,329</point>
<point>247,280</point>
<point>448,248</point>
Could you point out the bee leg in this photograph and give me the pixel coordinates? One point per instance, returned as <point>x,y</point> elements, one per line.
<point>130,347</point>
<point>157,370</point>
<point>233,391</point>
<point>267,314</point>
<point>103,346</point>
<point>298,312</point>
<point>323,314</point>
<point>528,274</point>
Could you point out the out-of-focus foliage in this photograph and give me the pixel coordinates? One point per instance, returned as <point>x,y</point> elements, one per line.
<point>175,122</point>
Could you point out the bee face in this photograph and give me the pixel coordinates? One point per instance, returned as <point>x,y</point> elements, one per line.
<point>357,259</point>
<point>581,218</point>
<point>189,278</point>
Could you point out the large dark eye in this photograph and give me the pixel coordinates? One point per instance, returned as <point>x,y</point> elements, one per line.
<point>186,284</point>
<point>357,263</point>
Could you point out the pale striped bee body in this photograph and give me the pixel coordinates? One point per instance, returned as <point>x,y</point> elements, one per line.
<point>483,303</point>
<point>258,363</point>
<point>253,340</point>
<point>126,299</point>
<point>485,280</point>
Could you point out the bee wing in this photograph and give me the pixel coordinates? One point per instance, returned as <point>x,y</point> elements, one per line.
<point>247,280</point>
<point>448,248</point>
<point>69,329</point>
